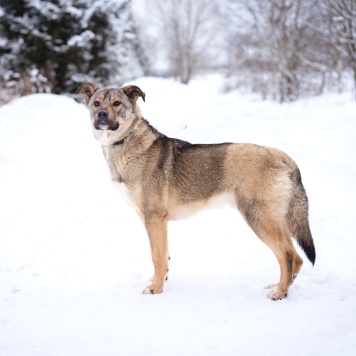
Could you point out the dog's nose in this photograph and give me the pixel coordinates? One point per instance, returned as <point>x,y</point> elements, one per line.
<point>103,115</point>
<point>103,122</point>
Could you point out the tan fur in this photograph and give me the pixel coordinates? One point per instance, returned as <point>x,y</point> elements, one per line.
<point>168,179</point>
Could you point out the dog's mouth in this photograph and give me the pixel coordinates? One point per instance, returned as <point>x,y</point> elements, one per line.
<point>111,126</point>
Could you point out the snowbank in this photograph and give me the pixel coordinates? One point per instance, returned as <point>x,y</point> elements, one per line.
<point>74,257</point>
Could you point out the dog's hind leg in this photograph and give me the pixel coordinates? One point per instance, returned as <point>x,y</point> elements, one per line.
<point>271,231</point>
<point>273,237</point>
<point>297,264</point>
<point>156,226</point>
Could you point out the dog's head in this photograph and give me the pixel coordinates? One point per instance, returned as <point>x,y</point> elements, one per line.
<point>113,111</point>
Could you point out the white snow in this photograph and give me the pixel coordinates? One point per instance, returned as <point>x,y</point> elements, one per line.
<point>74,256</point>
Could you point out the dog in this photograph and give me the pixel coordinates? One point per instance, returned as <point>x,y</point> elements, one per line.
<point>167,179</point>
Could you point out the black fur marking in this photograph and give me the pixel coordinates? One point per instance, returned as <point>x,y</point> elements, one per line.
<point>309,250</point>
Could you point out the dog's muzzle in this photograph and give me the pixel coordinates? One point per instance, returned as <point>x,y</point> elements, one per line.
<point>103,122</point>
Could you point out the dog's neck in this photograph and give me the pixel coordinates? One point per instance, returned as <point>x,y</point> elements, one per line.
<point>135,144</point>
<point>141,137</point>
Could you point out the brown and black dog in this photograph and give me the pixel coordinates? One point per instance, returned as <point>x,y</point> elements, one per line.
<point>166,179</point>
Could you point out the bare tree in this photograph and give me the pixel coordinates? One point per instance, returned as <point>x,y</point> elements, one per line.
<point>280,47</point>
<point>342,34</point>
<point>187,29</point>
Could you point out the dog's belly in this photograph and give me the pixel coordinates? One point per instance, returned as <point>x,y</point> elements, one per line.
<point>179,211</point>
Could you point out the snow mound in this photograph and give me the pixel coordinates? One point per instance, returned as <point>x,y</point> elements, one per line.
<point>74,256</point>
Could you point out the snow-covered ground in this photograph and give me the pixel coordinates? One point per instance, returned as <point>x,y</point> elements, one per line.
<point>74,257</point>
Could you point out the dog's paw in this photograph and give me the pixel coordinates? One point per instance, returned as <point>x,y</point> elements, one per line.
<point>275,285</point>
<point>152,290</point>
<point>277,294</point>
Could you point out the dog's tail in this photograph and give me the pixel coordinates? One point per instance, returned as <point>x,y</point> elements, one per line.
<point>297,216</point>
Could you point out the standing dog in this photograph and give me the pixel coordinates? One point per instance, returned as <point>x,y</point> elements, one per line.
<point>167,178</point>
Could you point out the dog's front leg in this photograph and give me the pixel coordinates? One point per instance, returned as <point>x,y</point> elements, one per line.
<point>156,227</point>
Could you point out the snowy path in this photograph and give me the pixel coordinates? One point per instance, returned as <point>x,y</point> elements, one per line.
<point>74,257</point>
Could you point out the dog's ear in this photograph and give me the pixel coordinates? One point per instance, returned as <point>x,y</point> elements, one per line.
<point>133,92</point>
<point>88,89</point>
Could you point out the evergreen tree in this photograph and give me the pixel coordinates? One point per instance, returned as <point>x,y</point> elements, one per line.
<point>66,42</point>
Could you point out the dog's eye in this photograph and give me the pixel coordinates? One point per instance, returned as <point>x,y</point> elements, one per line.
<point>96,103</point>
<point>116,103</point>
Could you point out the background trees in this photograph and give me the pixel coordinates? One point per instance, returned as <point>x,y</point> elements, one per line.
<point>341,20</point>
<point>282,49</point>
<point>280,44</point>
<point>54,45</point>
<point>187,31</point>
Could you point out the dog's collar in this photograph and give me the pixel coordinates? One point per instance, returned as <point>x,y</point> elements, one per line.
<point>118,142</point>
